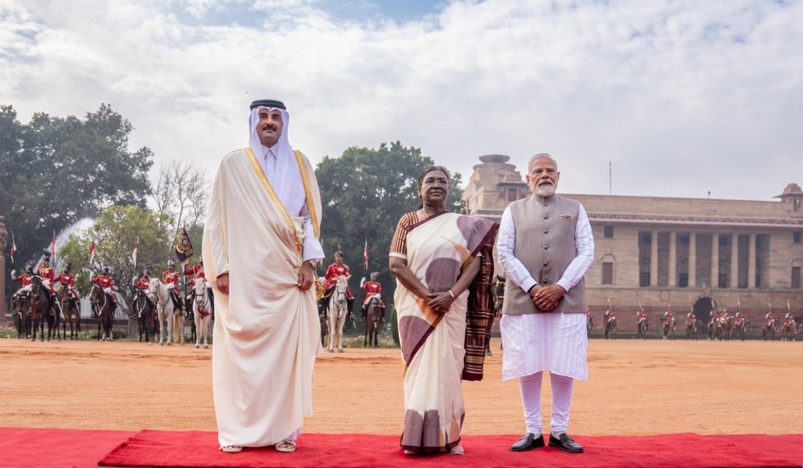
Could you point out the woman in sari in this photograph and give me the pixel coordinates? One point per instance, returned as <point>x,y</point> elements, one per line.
<point>443,266</point>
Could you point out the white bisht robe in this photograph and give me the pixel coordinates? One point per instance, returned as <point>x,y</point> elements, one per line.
<point>266,331</point>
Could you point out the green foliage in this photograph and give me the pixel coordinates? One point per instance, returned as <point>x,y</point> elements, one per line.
<point>116,232</point>
<point>57,171</point>
<point>365,192</point>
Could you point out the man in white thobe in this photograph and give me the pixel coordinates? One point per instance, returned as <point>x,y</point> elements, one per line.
<point>261,242</point>
<point>545,246</point>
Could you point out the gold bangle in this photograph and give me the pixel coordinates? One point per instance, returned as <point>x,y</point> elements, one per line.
<point>451,294</point>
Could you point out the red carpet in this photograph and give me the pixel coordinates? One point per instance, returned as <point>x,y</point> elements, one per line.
<point>67,448</point>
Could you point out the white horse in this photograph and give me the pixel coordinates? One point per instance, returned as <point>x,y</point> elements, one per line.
<point>160,295</point>
<point>202,311</point>
<point>338,310</point>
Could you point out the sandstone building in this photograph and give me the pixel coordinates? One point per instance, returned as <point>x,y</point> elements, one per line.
<point>682,253</point>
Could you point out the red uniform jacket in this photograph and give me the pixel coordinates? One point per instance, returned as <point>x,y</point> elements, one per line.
<point>68,281</point>
<point>169,277</point>
<point>24,278</point>
<point>104,281</point>
<point>196,271</point>
<point>371,288</point>
<point>47,273</point>
<point>143,283</point>
<point>333,272</point>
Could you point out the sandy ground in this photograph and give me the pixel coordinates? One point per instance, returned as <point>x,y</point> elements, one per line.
<point>635,387</point>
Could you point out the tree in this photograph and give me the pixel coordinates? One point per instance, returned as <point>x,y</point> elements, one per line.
<point>57,171</point>
<point>182,193</point>
<point>115,232</point>
<point>364,193</point>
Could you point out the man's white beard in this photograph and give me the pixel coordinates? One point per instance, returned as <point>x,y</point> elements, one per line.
<point>545,190</point>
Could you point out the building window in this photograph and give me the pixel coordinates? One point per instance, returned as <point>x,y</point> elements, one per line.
<point>607,272</point>
<point>797,237</point>
<point>512,195</point>
<point>683,280</point>
<point>684,239</point>
<point>646,238</point>
<point>796,204</point>
<point>608,232</point>
<point>644,279</point>
<point>796,277</point>
<point>723,280</point>
<point>723,241</point>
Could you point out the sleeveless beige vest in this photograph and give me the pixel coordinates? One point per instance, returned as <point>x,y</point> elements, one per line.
<point>545,246</point>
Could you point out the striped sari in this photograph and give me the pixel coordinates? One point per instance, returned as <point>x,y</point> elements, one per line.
<point>434,346</point>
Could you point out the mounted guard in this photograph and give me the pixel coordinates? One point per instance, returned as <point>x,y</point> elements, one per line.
<point>170,280</point>
<point>67,280</point>
<point>106,282</point>
<point>25,279</point>
<point>197,272</point>
<point>334,271</point>
<point>48,276</point>
<point>142,285</point>
<point>372,289</point>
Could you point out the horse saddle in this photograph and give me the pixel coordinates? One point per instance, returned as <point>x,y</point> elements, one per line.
<point>174,297</point>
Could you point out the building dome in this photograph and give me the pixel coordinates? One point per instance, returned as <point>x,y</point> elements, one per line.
<point>495,158</point>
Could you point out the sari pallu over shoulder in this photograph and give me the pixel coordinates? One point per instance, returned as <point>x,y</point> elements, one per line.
<point>438,249</point>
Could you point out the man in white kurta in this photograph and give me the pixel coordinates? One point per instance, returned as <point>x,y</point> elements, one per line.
<point>545,246</point>
<point>261,241</point>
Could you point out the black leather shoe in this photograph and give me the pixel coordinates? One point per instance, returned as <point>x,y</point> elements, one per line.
<point>528,442</point>
<point>565,443</point>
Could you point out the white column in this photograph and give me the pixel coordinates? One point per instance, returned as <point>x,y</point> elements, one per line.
<point>715,260</point>
<point>654,259</point>
<point>692,260</point>
<point>751,262</point>
<point>673,253</point>
<point>734,279</point>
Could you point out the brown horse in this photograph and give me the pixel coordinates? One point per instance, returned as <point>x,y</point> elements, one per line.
<point>102,305</point>
<point>740,326</point>
<point>789,330</point>
<point>143,307</point>
<point>22,314</point>
<point>41,310</point>
<point>373,320</point>
<point>610,328</point>
<point>669,328</point>
<point>643,326</point>
<point>770,328</point>
<point>691,329</point>
<point>72,312</point>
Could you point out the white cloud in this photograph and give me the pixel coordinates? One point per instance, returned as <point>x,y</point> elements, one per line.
<point>682,96</point>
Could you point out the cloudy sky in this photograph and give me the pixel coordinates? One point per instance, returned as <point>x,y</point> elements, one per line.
<point>681,97</point>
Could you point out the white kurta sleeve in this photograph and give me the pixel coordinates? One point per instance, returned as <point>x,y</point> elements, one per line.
<point>312,245</point>
<point>584,241</point>
<point>216,249</point>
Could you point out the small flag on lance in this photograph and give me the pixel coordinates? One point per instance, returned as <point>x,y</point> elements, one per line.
<point>91,253</point>
<point>53,249</point>
<point>13,247</point>
<point>365,255</point>
<point>134,254</point>
<point>183,246</point>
